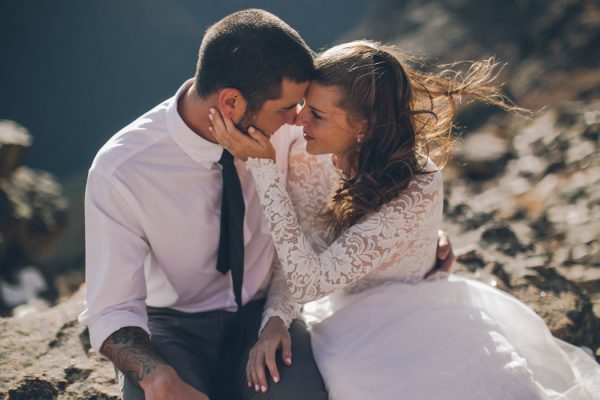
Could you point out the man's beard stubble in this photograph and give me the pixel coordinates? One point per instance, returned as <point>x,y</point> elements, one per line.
<point>246,122</point>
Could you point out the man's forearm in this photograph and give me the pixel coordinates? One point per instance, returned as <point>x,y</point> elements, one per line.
<point>131,351</point>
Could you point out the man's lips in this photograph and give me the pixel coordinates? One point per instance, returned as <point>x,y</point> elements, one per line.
<point>307,136</point>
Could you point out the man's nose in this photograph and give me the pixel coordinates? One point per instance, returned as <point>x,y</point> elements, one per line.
<point>290,118</point>
<point>298,119</point>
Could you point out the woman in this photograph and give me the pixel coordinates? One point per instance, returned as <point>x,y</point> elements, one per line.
<point>380,330</point>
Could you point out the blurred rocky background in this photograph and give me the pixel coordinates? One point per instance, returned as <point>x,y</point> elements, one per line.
<point>522,195</point>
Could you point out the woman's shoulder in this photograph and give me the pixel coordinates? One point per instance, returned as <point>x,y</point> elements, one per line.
<point>429,179</point>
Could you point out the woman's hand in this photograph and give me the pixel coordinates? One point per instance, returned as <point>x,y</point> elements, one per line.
<point>445,256</point>
<point>274,336</point>
<point>241,146</point>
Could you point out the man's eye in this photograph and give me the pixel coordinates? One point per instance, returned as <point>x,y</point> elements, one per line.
<point>314,114</point>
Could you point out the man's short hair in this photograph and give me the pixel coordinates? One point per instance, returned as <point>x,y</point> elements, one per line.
<point>252,51</point>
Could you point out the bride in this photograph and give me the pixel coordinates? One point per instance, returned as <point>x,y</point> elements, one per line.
<point>356,236</point>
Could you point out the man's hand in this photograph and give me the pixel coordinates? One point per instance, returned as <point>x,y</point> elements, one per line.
<point>131,351</point>
<point>164,384</point>
<point>274,336</point>
<point>445,256</point>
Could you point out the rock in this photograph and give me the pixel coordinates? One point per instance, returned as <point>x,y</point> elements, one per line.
<point>501,237</point>
<point>14,140</point>
<point>33,214</point>
<point>47,356</point>
<point>483,155</point>
<point>565,307</point>
<point>29,284</point>
<point>542,240</point>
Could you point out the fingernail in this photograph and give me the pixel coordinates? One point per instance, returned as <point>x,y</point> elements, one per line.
<point>275,379</point>
<point>210,128</point>
<point>212,110</point>
<point>263,389</point>
<point>210,116</point>
<point>251,129</point>
<point>257,388</point>
<point>249,385</point>
<point>288,360</point>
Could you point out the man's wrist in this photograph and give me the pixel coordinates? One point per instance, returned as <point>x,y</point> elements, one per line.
<point>160,379</point>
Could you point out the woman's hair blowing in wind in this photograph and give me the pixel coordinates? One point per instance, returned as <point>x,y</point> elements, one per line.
<point>404,114</point>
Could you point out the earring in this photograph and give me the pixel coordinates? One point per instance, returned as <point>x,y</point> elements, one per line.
<point>359,140</point>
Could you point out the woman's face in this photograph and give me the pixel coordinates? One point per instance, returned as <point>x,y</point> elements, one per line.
<point>326,126</point>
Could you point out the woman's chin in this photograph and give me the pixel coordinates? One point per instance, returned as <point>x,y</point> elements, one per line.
<point>313,149</point>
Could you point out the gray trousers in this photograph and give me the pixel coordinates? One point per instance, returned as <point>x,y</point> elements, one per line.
<point>209,351</point>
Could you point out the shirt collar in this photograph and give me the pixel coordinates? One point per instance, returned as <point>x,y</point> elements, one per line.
<point>195,146</point>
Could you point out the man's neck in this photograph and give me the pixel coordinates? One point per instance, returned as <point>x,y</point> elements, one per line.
<point>194,112</point>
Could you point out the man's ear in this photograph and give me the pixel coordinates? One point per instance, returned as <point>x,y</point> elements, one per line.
<point>232,104</point>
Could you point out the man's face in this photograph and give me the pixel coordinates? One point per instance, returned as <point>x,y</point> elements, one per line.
<point>274,113</point>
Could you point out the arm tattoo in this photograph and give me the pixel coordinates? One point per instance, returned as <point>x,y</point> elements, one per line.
<point>131,351</point>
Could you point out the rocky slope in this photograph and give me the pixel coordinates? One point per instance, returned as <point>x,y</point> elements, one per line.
<point>522,196</point>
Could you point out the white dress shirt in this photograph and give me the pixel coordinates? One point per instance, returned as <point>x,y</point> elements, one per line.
<point>152,221</point>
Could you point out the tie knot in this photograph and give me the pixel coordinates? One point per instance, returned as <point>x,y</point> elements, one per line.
<point>226,158</point>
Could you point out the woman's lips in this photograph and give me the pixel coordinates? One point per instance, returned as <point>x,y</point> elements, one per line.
<point>307,136</point>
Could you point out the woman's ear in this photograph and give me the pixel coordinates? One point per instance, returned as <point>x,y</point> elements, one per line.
<point>232,104</point>
<point>361,127</point>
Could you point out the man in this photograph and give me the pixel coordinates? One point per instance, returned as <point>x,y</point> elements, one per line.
<point>165,254</point>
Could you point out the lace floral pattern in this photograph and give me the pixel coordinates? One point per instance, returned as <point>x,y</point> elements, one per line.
<point>279,302</point>
<point>396,243</point>
<point>309,181</point>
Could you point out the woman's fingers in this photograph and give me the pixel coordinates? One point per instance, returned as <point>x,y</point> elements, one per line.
<point>217,121</point>
<point>286,350</point>
<point>252,370</point>
<point>259,365</point>
<point>242,146</point>
<point>218,128</point>
<point>271,363</point>
<point>248,374</point>
<point>258,136</point>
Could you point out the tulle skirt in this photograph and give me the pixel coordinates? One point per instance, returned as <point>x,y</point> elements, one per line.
<point>450,338</point>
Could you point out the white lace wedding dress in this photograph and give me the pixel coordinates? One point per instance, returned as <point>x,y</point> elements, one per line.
<point>379,330</point>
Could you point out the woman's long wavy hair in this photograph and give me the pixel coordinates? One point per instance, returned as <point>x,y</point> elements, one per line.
<point>406,115</point>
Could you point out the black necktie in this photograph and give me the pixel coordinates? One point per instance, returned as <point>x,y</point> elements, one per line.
<point>231,240</point>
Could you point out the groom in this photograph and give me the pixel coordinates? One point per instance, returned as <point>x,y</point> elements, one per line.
<point>178,254</point>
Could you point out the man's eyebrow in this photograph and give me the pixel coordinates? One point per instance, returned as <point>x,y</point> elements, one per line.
<point>290,107</point>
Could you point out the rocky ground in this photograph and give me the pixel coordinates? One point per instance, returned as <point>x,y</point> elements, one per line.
<point>47,356</point>
<point>523,207</point>
<point>522,196</point>
<point>524,217</point>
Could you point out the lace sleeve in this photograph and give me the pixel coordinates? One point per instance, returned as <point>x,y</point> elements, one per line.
<point>359,250</point>
<point>279,301</point>
<point>309,182</point>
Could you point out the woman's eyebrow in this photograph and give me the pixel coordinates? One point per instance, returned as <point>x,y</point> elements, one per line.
<point>316,109</point>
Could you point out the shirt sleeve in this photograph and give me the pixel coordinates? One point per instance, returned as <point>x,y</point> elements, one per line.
<point>115,253</point>
<point>359,250</point>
